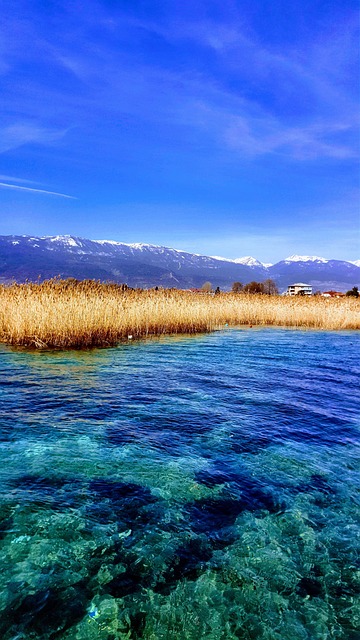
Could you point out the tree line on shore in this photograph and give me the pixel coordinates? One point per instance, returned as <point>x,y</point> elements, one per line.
<point>268,287</point>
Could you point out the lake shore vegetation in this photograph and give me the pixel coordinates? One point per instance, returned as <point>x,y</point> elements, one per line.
<point>83,314</point>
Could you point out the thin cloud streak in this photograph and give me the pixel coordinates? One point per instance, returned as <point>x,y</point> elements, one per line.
<point>5,178</point>
<point>21,133</point>
<point>17,187</point>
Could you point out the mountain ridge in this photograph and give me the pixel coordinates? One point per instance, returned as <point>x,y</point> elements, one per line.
<point>145,265</point>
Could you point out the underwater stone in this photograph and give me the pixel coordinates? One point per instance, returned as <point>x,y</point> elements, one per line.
<point>188,561</point>
<point>127,504</point>
<point>309,587</point>
<point>210,514</point>
<point>46,609</point>
<point>59,493</point>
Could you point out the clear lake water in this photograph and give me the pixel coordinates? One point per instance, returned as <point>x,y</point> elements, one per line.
<point>189,487</point>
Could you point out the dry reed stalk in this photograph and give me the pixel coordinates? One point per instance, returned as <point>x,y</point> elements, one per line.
<point>71,314</point>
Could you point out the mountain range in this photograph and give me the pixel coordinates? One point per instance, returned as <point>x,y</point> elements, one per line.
<point>146,265</point>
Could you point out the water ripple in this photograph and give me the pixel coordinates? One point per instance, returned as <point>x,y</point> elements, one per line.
<point>186,487</point>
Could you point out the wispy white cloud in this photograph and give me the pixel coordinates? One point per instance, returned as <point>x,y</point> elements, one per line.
<point>290,102</point>
<point>324,126</point>
<point>20,133</point>
<point>254,136</point>
<point>231,120</point>
<point>16,187</point>
<point>302,104</point>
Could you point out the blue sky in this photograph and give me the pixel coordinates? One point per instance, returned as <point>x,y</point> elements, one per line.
<point>217,126</point>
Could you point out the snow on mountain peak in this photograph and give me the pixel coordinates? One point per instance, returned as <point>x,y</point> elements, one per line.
<point>107,242</point>
<point>249,261</point>
<point>296,258</point>
<point>355,262</point>
<point>221,258</point>
<point>69,240</point>
<point>132,245</point>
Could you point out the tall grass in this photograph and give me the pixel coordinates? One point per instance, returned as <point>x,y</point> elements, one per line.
<point>72,314</point>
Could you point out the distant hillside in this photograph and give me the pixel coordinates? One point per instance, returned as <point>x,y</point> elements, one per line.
<point>144,265</point>
<point>320,273</point>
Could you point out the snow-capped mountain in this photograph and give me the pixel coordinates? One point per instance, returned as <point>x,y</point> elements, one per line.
<point>147,265</point>
<point>296,258</point>
<point>356,263</point>
<point>137,264</point>
<point>249,261</point>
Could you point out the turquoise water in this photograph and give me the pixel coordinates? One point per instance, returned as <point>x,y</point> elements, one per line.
<point>183,488</point>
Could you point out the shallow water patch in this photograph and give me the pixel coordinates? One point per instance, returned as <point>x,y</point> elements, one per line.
<point>194,488</point>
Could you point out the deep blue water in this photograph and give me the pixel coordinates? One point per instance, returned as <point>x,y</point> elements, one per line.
<point>182,488</point>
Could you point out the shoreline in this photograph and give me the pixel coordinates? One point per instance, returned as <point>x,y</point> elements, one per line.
<point>32,348</point>
<point>67,314</point>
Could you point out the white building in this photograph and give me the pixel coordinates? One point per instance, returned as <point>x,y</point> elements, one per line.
<point>299,288</point>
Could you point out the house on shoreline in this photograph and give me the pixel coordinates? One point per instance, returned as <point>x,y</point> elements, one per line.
<point>299,289</point>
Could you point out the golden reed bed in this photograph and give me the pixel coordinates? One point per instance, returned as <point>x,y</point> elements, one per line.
<point>71,314</point>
